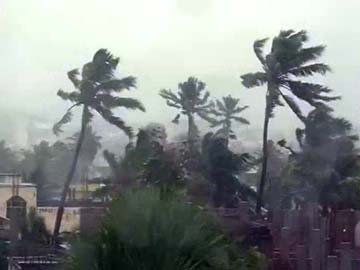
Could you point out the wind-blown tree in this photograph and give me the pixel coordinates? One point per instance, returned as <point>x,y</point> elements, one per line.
<point>34,166</point>
<point>192,99</point>
<point>227,111</point>
<point>282,71</point>
<point>223,167</point>
<point>325,168</point>
<point>96,91</point>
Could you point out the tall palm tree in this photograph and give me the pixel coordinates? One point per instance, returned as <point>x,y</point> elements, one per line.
<point>191,100</point>
<point>227,112</point>
<point>96,91</point>
<point>282,69</point>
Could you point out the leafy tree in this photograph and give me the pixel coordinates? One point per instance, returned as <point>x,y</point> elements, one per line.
<point>34,166</point>
<point>192,99</point>
<point>283,67</point>
<point>95,92</point>
<point>326,167</point>
<point>222,167</point>
<point>144,230</point>
<point>147,163</point>
<point>228,111</point>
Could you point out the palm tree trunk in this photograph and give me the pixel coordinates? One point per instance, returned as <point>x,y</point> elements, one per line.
<point>191,134</point>
<point>259,201</point>
<point>69,178</point>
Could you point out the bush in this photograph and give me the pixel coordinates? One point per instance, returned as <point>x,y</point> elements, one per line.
<point>145,231</point>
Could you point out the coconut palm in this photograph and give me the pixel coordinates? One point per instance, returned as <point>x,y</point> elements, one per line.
<point>282,71</point>
<point>96,90</point>
<point>191,100</point>
<point>227,112</point>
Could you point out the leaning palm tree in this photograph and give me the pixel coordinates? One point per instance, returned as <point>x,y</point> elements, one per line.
<point>191,99</point>
<point>96,91</point>
<point>227,111</point>
<point>283,67</point>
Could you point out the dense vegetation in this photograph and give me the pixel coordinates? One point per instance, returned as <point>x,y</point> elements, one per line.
<point>159,188</point>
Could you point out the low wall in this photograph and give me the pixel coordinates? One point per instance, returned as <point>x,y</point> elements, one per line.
<point>70,221</point>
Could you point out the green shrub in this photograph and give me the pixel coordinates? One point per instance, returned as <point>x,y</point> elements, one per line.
<point>147,231</point>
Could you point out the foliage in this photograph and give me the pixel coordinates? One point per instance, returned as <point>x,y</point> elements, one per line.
<point>96,90</point>
<point>146,231</point>
<point>147,163</point>
<point>191,99</point>
<point>46,164</point>
<point>326,167</point>
<point>227,111</point>
<point>283,69</point>
<point>222,167</point>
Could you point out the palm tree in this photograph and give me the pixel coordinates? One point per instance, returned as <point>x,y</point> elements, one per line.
<point>95,92</point>
<point>283,67</point>
<point>227,110</point>
<point>191,99</point>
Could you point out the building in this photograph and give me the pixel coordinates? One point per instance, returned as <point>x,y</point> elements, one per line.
<point>17,198</point>
<point>16,195</point>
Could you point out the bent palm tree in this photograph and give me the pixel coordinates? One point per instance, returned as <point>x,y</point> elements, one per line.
<point>282,66</point>
<point>95,90</point>
<point>228,111</point>
<point>191,100</point>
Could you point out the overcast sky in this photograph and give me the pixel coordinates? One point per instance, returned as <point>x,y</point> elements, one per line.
<point>162,42</point>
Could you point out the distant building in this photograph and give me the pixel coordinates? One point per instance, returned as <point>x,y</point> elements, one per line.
<point>16,195</point>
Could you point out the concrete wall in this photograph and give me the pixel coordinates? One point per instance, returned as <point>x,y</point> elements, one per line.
<point>70,221</point>
<point>24,190</point>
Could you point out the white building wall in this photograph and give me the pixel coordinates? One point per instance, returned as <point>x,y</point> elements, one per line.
<point>24,190</point>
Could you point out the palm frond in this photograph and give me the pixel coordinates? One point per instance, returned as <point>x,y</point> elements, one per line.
<point>250,80</point>
<point>172,104</point>
<point>103,56</point>
<point>286,33</point>
<point>313,87</point>
<point>306,55</point>
<point>205,115</point>
<point>241,120</point>
<point>117,85</point>
<point>310,70</point>
<point>258,49</point>
<point>204,99</point>
<point>176,119</point>
<point>240,109</point>
<point>111,102</point>
<point>114,120</point>
<point>169,95</point>
<point>73,77</point>
<point>67,117</point>
<point>300,35</point>
<point>304,92</point>
<point>294,107</point>
<point>72,96</point>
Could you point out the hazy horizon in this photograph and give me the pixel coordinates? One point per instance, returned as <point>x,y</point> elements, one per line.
<point>162,43</point>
